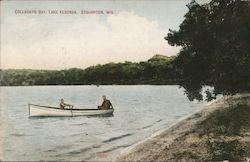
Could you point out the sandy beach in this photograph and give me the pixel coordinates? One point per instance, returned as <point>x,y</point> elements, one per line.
<point>199,137</point>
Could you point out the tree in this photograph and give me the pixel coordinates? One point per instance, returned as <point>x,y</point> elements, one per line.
<point>157,70</point>
<point>215,41</point>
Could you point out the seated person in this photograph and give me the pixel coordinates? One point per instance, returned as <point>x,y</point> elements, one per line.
<point>63,105</point>
<point>106,104</point>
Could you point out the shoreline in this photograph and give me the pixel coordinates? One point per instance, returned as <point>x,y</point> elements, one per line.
<point>130,148</point>
<point>151,148</point>
<point>89,85</point>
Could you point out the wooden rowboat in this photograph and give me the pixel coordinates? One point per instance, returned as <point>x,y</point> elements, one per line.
<point>46,111</point>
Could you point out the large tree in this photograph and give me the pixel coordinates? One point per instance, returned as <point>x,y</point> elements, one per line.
<point>215,41</point>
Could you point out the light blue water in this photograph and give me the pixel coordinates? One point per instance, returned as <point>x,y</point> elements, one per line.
<point>139,112</point>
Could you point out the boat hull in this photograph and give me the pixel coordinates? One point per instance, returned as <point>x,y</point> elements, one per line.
<point>46,111</point>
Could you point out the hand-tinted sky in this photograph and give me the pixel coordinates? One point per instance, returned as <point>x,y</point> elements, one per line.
<point>135,32</point>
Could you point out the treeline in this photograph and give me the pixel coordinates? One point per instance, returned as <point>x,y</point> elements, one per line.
<point>157,70</point>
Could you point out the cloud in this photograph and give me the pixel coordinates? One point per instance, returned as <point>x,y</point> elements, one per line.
<point>56,42</point>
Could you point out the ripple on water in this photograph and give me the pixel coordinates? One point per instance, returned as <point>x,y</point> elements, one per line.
<point>114,148</point>
<point>50,150</point>
<point>79,151</point>
<point>78,124</point>
<point>20,135</point>
<point>60,147</point>
<point>116,138</point>
<point>158,120</point>
<point>148,126</point>
<point>77,134</point>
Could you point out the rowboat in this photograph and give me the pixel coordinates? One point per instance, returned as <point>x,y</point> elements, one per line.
<point>47,111</point>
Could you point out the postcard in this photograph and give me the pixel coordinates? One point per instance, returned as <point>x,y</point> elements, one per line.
<point>124,80</point>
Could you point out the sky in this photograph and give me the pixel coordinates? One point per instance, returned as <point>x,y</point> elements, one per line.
<point>133,30</point>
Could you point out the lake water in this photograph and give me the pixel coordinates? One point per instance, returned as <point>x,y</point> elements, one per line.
<point>139,112</point>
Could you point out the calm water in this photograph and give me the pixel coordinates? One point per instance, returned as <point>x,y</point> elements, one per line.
<point>139,112</point>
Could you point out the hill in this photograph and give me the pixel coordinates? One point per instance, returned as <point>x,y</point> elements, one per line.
<point>157,70</point>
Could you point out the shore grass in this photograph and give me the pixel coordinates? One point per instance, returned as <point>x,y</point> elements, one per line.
<point>227,133</point>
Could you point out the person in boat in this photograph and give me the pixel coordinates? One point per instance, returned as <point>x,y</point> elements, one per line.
<point>63,105</point>
<point>106,104</point>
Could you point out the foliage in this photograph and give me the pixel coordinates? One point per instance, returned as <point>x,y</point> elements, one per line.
<point>157,70</point>
<point>215,50</point>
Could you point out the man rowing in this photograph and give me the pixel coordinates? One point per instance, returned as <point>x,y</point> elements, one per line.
<point>63,105</point>
<point>106,104</point>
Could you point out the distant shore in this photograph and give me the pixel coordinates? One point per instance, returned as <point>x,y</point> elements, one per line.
<point>98,85</point>
<point>217,132</point>
<point>158,70</point>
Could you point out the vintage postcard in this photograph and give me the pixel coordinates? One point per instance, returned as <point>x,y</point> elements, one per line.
<point>125,80</point>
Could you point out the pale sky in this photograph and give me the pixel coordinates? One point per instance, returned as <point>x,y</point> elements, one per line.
<point>135,32</point>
